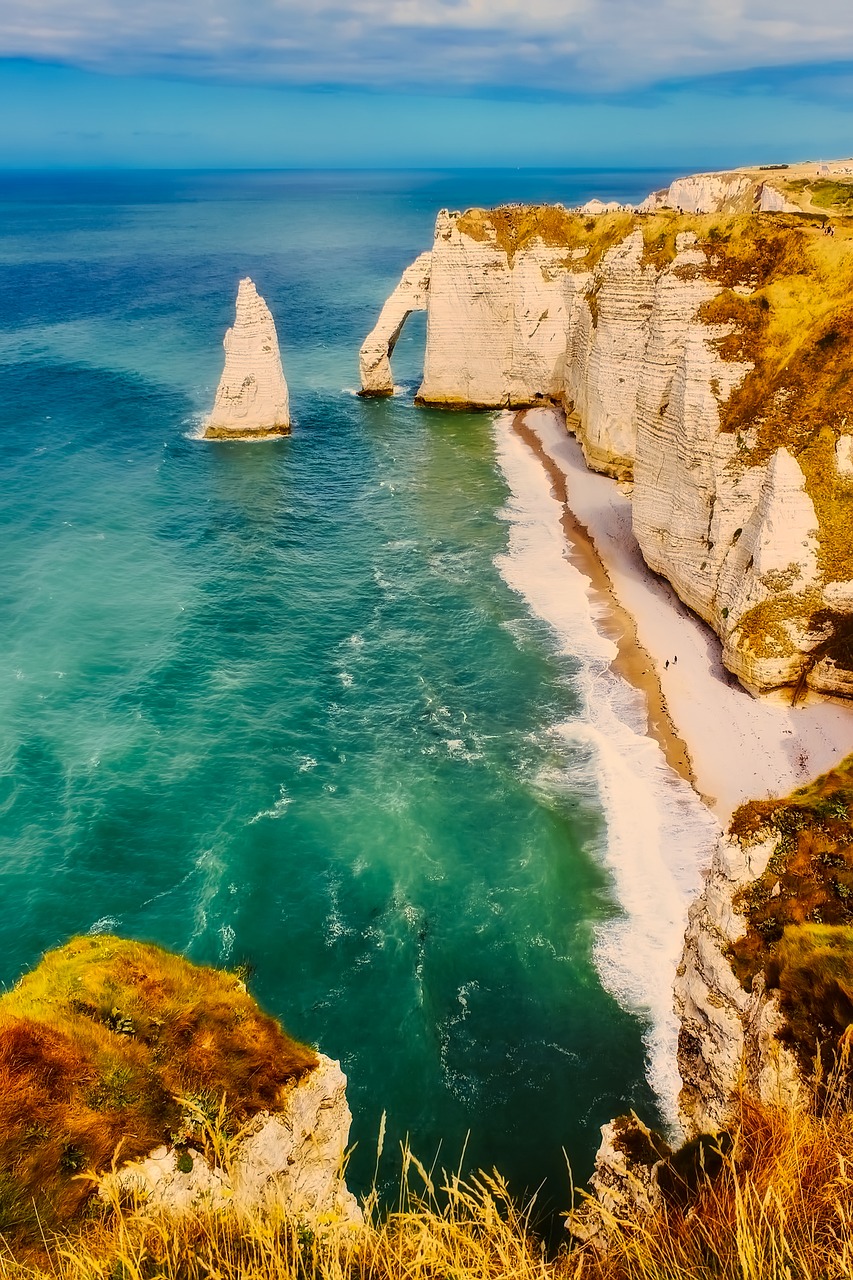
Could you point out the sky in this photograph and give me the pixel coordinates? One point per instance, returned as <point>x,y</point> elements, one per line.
<point>423,83</point>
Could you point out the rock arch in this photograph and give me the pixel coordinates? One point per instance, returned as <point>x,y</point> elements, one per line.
<point>411,294</point>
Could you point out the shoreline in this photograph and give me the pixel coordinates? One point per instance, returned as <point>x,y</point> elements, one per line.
<point>706,724</point>
<point>656,834</point>
<point>632,662</point>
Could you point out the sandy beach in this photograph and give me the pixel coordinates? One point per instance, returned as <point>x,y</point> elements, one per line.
<point>732,746</point>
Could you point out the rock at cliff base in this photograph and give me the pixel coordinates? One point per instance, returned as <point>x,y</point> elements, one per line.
<point>252,398</point>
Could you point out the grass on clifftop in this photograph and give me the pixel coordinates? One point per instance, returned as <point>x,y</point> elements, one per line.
<point>799,913</point>
<point>99,1044</point>
<point>779,1208</point>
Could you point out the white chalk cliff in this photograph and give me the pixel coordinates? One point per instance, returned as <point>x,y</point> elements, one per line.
<point>584,313</point>
<point>252,397</point>
<point>728,1035</point>
<point>292,1158</point>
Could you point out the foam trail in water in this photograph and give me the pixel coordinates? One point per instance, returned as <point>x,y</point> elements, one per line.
<point>658,833</point>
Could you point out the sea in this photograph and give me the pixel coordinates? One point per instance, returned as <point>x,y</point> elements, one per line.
<point>332,707</point>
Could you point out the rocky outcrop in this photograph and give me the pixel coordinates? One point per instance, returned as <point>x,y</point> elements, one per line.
<point>624,1182</point>
<point>411,294</point>
<point>704,193</point>
<point>292,1158</point>
<point>496,322</point>
<point>252,397</point>
<point>728,1037</point>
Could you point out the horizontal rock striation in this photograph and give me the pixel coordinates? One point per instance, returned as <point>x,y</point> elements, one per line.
<point>252,397</point>
<point>689,352</point>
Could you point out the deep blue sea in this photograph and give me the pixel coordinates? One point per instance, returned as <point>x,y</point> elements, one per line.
<point>277,703</point>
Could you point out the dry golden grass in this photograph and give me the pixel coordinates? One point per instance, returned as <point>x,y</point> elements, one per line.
<point>781,1208</point>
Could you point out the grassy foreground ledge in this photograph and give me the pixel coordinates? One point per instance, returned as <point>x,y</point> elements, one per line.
<point>110,1046</point>
<point>112,1042</point>
<point>780,1209</point>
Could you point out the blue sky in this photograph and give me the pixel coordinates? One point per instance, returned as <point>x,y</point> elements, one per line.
<point>693,83</point>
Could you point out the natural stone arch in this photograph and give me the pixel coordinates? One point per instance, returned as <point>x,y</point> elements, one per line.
<point>411,294</point>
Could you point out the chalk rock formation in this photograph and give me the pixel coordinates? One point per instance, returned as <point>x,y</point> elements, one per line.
<point>611,315</point>
<point>772,201</point>
<point>496,323</point>
<point>624,1184</point>
<point>706,193</point>
<point>728,1036</point>
<point>292,1158</point>
<point>252,398</point>
<point>844,457</point>
<point>605,355</point>
<point>411,294</point>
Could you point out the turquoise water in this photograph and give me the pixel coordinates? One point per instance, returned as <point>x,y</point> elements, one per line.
<point>275,703</point>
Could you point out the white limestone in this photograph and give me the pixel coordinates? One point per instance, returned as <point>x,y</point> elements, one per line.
<point>728,1035</point>
<point>844,457</point>
<point>622,344</point>
<point>773,201</point>
<point>292,1158</point>
<point>605,357</point>
<point>411,294</point>
<point>496,330</point>
<point>709,192</point>
<point>252,397</point>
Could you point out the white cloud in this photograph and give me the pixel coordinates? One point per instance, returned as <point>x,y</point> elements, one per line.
<point>558,45</point>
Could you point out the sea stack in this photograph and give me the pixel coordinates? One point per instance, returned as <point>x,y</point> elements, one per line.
<point>251,399</point>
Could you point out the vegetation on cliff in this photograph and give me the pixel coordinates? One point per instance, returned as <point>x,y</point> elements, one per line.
<point>799,913</point>
<point>779,1207</point>
<point>110,1048</point>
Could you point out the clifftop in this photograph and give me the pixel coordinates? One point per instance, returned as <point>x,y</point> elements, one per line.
<point>115,1046</point>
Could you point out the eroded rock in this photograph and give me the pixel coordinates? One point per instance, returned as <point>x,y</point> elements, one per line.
<point>252,397</point>
<point>292,1158</point>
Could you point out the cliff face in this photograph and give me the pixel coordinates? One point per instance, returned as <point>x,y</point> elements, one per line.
<point>765,978</point>
<point>252,397</point>
<point>706,358</point>
<point>292,1157</point>
<point>497,319</point>
<point>728,1035</point>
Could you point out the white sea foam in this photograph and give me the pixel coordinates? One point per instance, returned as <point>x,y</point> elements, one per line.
<point>278,810</point>
<point>106,924</point>
<point>658,834</point>
<point>227,937</point>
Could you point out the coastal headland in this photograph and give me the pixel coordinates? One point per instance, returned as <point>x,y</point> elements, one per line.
<point>680,369</point>
<point>697,346</point>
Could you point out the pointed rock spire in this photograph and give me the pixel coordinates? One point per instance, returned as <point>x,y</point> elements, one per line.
<point>251,399</point>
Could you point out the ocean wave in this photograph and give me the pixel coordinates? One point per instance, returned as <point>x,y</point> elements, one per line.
<point>657,833</point>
